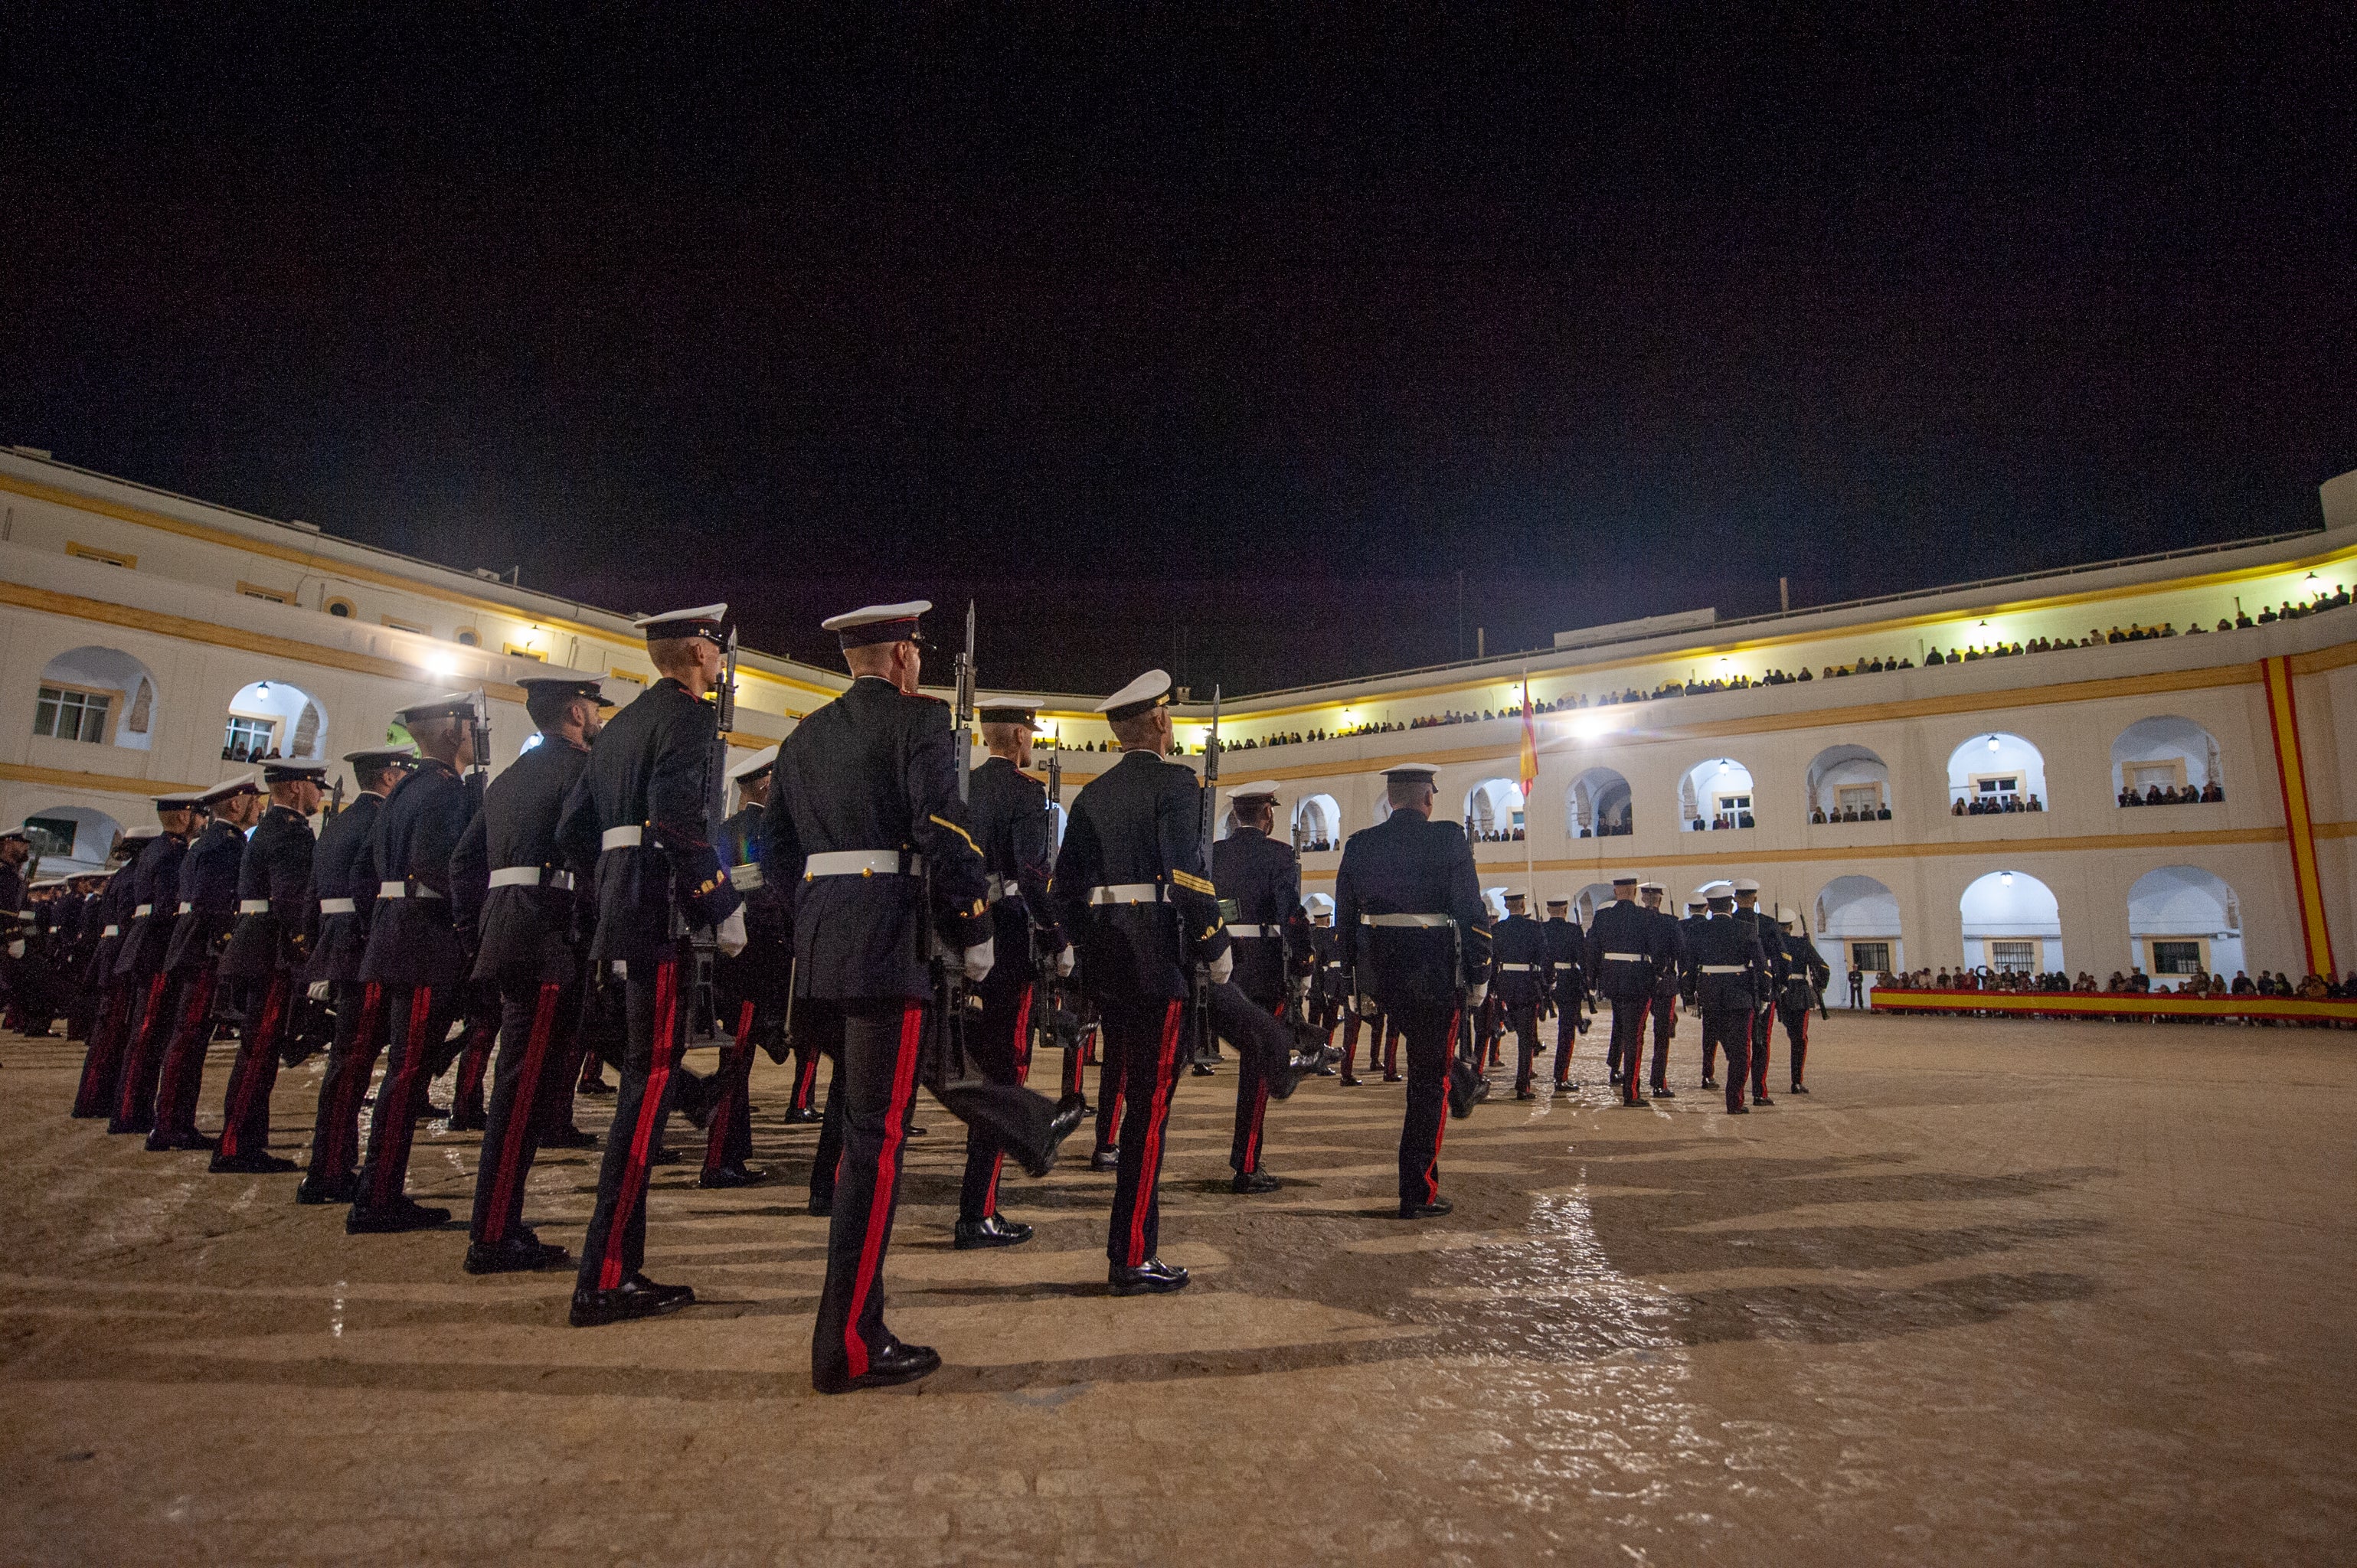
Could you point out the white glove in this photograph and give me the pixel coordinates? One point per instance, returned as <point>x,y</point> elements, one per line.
<point>731,933</point>
<point>1479,994</point>
<point>979,958</point>
<point>318,990</point>
<point>1301,988</point>
<point>1065,960</point>
<point>1223,966</point>
<point>16,948</point>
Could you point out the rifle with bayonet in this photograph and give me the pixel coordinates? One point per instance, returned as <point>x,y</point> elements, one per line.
<point>1056,1023</point>
<point>1207,1039</point>
<point>954,1000</point>
<point>703,1015</point>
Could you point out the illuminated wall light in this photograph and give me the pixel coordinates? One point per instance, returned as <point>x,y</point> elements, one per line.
<point>2005,878</point>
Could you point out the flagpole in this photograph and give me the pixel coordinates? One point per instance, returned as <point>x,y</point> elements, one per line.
<point>1530,817</point>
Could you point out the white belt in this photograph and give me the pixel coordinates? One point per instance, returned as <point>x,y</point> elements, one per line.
<point>253,905</point>
<point>111,931</point>
<point>1724,967</point>
<point>187,908</point>
<point>746,875</point>
<point>143,911</point>
<point>1253,931</point>
<point>401,890</point>
<point>1333,964</point>
<point>338,907</point>
<point>1127,893</point>
<point>1516,968</point>
<point>622,838</point>
<point>532,877</point>
<point>1001,887</point>
<point>1418,921</point>
<point>1625,958</point>
<point>862,862</point>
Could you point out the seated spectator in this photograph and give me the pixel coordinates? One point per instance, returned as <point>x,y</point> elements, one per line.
<point>2212,791</point>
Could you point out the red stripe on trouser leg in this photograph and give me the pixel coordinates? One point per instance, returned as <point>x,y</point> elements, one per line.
<point>1150,1161</point>
<point>1022,1072</point>
<point>184,1059</point>
<point>1351,1046</point>
<point>134,1067</point>
<point>398,1099</point>
<point>521,1108</point>
<point>1440,1127</point>
<point>806,1080</point>
<point>888,1176</point>
<point>731,1103</point>
<point>366,1046</point>
<point>642,1133</point>
<point>263,1041</point>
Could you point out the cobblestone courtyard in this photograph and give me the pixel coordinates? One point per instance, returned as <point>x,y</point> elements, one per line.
<point>2010,1293</point>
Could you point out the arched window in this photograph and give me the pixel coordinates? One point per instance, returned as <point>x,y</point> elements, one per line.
<point>1588,900</point>
<point>271,716</point>
<point>1848,784</point>
<point>97,696</point>
<point>1716,794</point>
<point>2183,920</point>
<point>2166,761</point>
<point>1493,812</point>
<point>1855,923</point>
<point>1598,805</point>
<point>2012,923</point>
<point>1317,824</point>
<point>72,838</point>
<point>1996,772</point>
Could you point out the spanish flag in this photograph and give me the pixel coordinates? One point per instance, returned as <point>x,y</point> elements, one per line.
<point>1530,764</point>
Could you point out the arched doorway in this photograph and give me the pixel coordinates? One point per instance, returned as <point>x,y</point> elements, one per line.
<point>1317,824</point>
<point>2166,761</point>
<point>1996,772</point>
<point>1493,812</point>
<point>1848,784</point>
<point>1855,922</point>
<point>271,716</point>
<point>2012,922</point>
<point>1716,794</point>
<point>72,838</point>
<point>2183,920</point>
<point>1598,805</point>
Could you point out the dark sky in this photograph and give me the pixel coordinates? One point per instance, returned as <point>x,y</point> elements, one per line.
<point>1254,335</point>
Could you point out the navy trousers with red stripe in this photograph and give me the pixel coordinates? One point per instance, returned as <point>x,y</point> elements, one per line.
<point>1112,1097</point>
<point>1764,1034</point>
<point>1142,1041</point>
<point>352,1057</point>
<point>420,1018</point>
<point>1796,1038</point>
<point>655,1033</point>
<point>876,1045</point>
<point>1430,1032</point>
<point>101,1064</point>
<point>728,1132</point>
<point>184,1059</point>
<point>537,1022</point>
<point>1251,1103</point>
<point>1566,1035</point>
<point>1627,1054</point>
<point>245,1110</point>
<point>998,1047</point>
<point>143,1058</point>
<point>1731,1029</point>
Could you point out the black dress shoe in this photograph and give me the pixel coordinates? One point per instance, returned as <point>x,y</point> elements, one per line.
<point>1152,1277</point>
<point>895,1363</point>
<point>1799,1089</point>
<point>1526,1094</point>
<point>1202,1069</point>
<point>1658,1093</point>
<point>1564,1084</point>
<point>315,1191</point>
<point>1638,1103</point>
<point>1616,1081</point>
<point>991,1230</point>
<point>1739,1110</point>
<point>1350,1082</point>
<point>1106,1159</point>
<point>569,1138</point>
<point>1433,1210</point>
<point>518,1254</point>
<point>405,1214</point>
<point>1466,1089</point>
<point>256,1164</point>
<point>665,1158</point>
<point>637,1296</point>
<point>466,1119</point>
<point>169,1143</point>
<point>1391,1078</point>
<point>1761,1100</point>
<point>1710,1083</point>
<point>733,1176</point>
<point>1250,1182</point>
<point>1326,1072</point>
<point>1062,1125</point>
<point>822,1207</point>
<point>808,1115</point>
<point>593,1086</point>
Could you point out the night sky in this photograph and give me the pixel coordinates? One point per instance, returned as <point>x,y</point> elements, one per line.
<point>1232,346</point>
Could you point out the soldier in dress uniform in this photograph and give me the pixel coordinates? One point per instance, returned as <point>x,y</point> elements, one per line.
<point>110,1029</point>
<point>1326,998</point>
<point>343,884</point>
<point>645,813</point>
<point>1518,987</point>
<point>1566,983</point>
<point>1134,887</point>
<point>1761,929</point>
<point>866,824</point>
<point>139,962</point>
<point>413,954</point>
<point>208,911</point>
<point>264,960</point>
<point>1726,965</point>
<point>1627,950</point>
<point>752,987</point>
<point>1416,936</point>
<point>1806,975</point>
<point>1259,882</point>
<point>1697,911</point>
<point>512,903</point>
<point>1664,1009</point>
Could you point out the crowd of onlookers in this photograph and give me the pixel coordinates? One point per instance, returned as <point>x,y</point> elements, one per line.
<point>1718,819</point>
<point>1850,814</point>
<point>2132,982</point>
<point>1995,805</point>
<point>2170,795</point>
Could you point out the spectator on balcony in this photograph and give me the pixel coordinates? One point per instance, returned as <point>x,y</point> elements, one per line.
<point>2214,790</point>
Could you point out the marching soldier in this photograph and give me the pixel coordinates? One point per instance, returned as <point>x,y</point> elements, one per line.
<point>1326,996</point>
<point>1698,911</point>
<point>1627,950</point>
<point>1132,883</point>
<point>139,962</point>
<point>413,954</point>
<point>1726,965</point>
<point>208,911</point>
<point>1567,983</point>
<point>865,823</point>
<point>1518,948</point>
<point>1806,975</point>
<point>752,987</point>
<point>642,813</point>
<point>1756,924</point>
<point>265,956</point>
<point>343,882</point>
<point>1259,882</point>
<point>1416,934</point>
<point>1663,1009</point>
<point>512,903</point>
<point>101,1068</point>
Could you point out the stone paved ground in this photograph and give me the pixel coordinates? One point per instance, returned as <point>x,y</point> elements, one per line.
<point>2019,1292</point>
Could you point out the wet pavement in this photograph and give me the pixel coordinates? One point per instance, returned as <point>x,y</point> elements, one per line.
<point>2001,1291</point>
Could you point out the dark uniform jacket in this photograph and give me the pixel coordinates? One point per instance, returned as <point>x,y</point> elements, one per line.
<point>873,772</point>
<point>650,768</point>
<point>1407,865</point>
<point>1806,974</point>
<point>1008,809</point>
<point>1673,933</point>
<point>1566,951</point>
<point>276,873</point>
<point>1326,950</point>
<point>208,897</point>
<point>1259,883</point>
<point>1687,925</point>
<point>113,909</point>
<point>411,938</point>
<point>1519,946</point>
<point>519,931</point>
<point>763,972</point>
<point>343,870</point>
<point>1731,948</point>
<point>1139,823</point>
<point>155,905</point>
<point>1628,949</point>
<point>1772,943</point>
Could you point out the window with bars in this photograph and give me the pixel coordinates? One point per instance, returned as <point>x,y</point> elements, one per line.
<point>70,714</point>
<point>1871,957</point>
<point>2179,958</point>
<point>2014,958</point>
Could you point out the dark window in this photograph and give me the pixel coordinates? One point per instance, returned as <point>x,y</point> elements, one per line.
<point>69,714</point>
<point>2177,957</point>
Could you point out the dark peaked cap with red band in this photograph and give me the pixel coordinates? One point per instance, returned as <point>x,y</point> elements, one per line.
<point>878,623</point>
<point>704,622</point>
